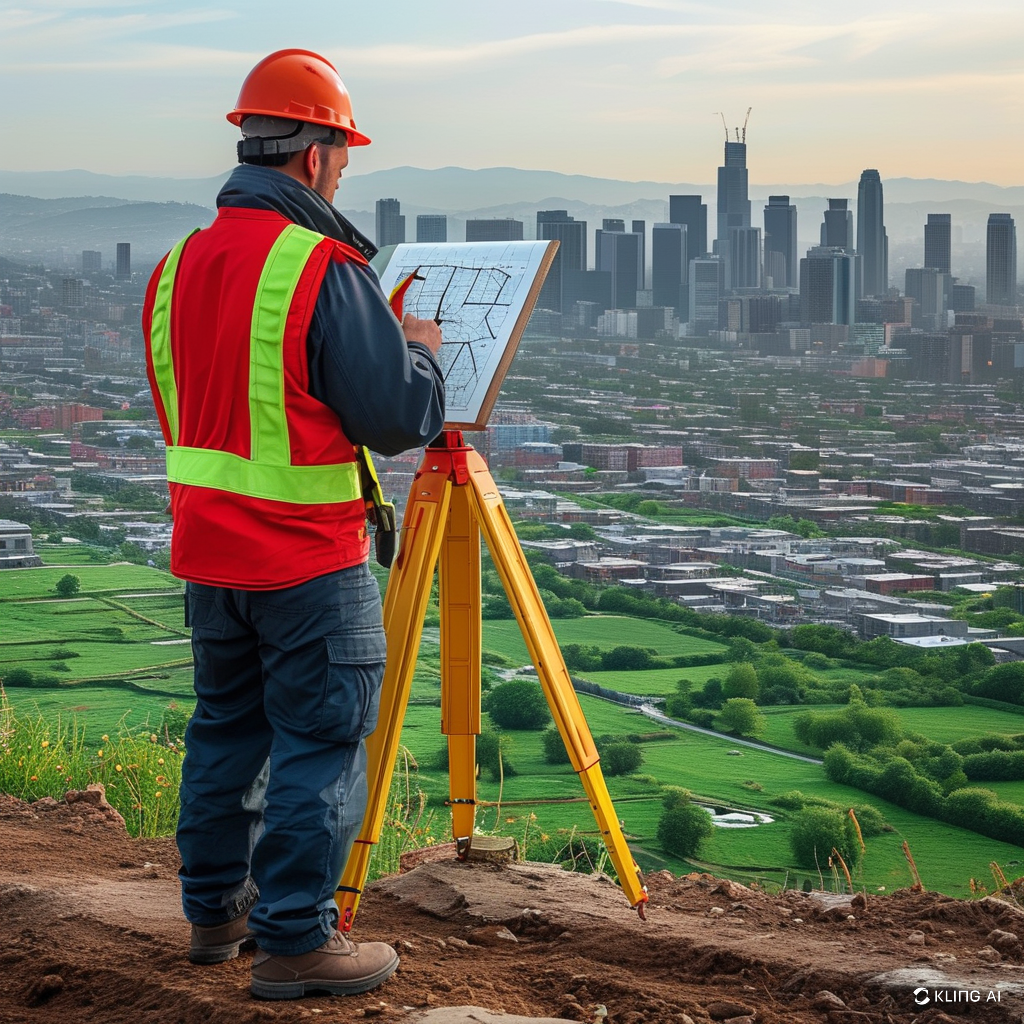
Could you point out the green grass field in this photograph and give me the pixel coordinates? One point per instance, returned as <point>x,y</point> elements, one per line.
<point>605,631</point>
<point>654,682</point>
<point>39,583</point>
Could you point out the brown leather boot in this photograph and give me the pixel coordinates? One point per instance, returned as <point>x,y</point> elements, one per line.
<point>338,967</point>
<point>213,944</point>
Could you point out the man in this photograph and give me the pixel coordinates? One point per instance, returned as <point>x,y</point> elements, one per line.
<point>273,355</point>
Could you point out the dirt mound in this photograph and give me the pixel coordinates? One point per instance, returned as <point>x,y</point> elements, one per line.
<point>91,931</point>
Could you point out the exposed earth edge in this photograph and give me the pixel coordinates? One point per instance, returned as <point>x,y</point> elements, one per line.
<point>91,931</point>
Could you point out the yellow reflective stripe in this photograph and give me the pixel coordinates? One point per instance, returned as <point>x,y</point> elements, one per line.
<point>285,264</point>
<point>160,338</point>
<point>298,485</point>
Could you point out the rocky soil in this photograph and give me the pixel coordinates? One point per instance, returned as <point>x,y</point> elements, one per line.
<point>91,931</point>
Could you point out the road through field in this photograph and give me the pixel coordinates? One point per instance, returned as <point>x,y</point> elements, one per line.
<point>652,712</point>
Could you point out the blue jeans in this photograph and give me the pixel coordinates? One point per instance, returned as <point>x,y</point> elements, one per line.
<point>273,786</point>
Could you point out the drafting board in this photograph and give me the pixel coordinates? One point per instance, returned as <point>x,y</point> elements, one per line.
<point>482,293</point>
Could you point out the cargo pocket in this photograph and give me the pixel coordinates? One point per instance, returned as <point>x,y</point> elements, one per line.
<point>355,670</point>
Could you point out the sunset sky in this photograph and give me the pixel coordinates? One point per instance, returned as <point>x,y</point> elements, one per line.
<point>612,88</point>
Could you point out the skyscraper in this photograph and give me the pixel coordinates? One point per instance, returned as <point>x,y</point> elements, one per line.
<point>828,286</point>
<point>689,210</point>
<point>123,266</point>
<point>640,228</point>
<point>390,222</point>
<point>621,254</point>
<point>733,204</point>
<point>780,239</point>
<point>669,266</point>
<point>572,252</point>
<point>872,241</point>
<point>494,229</point>
<point>1001,261</point>
<point>837,226</point>
<point>706,285</point>
<point>937,242</point>
<point>431,227</point>
<point>92,261</point>
<point>929,287</point>
<point>744,259</point>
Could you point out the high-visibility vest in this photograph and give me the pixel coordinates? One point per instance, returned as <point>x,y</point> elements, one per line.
<point>277,500</point>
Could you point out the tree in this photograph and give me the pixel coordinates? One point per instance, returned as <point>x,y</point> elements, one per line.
<point>517,704</point>
<point>68,585</point>
<point>683,825</point>
<point>554,747</point>
<point>741,682</point>
<point>817,831</point>
<point>740,717</point>
<point>17,677</point>
<point>621,758</point>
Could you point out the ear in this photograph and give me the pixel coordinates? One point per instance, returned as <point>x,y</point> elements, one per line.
<point>311,162</point>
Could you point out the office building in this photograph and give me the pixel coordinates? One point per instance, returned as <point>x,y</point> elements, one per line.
<point>571,235</point>
<point>828,286</point>
<point>1001,261</point>
<point>640,228</point>
<point>669,267</point>
<point>937,242</point>
<point>872,240</point>
<point>780,243</point>
<point>431,227</point>
<point>689,210</point>
<point>390,223</point>
<point>928,287</point>
<point>706,284</point>
<point>123,266</point>
<point>620,253</point>
<point>92,262</point>
<point>496,229</point>
<point>744,259</point>
<point>613,224</point>
<point>733,204</point>
<point>837,226</point>
<point>72,292</point>
<point>961,298</point>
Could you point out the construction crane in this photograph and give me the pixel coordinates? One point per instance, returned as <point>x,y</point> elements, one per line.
<point>745,120</point>
<point>724,125</point>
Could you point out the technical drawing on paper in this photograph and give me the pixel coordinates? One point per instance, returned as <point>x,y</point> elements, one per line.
<point>476,292</point>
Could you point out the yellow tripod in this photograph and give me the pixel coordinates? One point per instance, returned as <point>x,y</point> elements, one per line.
<point>452,500</point>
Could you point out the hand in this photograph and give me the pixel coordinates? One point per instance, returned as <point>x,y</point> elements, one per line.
<point>426,332</point>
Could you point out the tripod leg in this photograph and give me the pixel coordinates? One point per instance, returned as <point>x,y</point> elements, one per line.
<point>459,575</point>
<point>554,676</point>
<point>405,605</point>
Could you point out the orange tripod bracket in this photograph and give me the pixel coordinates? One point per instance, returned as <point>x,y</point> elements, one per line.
<point>452,501</point>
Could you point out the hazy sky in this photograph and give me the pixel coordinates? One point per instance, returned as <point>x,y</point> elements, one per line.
<point>613,88</point>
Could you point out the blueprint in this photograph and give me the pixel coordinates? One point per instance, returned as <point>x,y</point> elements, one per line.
<point>481,294</point>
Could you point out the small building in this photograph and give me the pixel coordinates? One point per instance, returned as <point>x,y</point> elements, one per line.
<point>902,626</point>
<point>16,546</point>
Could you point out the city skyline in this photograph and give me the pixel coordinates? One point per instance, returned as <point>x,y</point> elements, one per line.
<point>628,89</point>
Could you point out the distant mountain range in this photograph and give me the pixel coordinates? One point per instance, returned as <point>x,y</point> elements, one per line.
<point>45,212</point>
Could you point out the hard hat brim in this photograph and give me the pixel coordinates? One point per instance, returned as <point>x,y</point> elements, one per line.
<point>355,138</point>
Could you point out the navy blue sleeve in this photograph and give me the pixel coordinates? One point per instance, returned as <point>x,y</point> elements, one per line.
<point>388,394</point>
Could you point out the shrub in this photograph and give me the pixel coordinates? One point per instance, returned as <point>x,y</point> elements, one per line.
<point>68,585</point>
<point>554,747</point>
<point>740,717</point>
<point>741,682</point>
<point>517,704</point>
<point>683,827</point>
<point>816,831</point>
<point>63,653</point>
<point>621,758</point>
<point>18,677</point>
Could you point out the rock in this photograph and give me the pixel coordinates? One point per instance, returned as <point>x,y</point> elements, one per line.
<point>491,935</point>
<point>95,793</point>
<point>825,1000</point>
<point>798,920</point>
<point>425,855</point>
<point>44,803</point>
<point>44,988</point>
<point>457,943</point>
<point>784,911</point>
<point>684,1018</point>
<point>733,890</point>
<point>989,955</point>
<point>916,938</point>
<point>1002,940</point>
<point>859,902</point>
<point>726,1009</point>
<point>715,912</point>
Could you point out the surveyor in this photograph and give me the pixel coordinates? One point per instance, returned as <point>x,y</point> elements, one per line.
<point>273,357</point>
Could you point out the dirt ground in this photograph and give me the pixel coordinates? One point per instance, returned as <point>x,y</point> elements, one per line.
<point>91,931</point>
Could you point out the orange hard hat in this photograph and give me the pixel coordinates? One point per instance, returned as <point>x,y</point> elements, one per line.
<point>300,85</point>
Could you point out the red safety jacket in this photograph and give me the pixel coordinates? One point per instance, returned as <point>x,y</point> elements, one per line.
<point>265,487</point>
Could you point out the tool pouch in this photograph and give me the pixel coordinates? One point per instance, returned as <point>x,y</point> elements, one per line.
<point>379,513</point>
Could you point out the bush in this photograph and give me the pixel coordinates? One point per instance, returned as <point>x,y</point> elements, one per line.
<point>68,585</point>
<point>517,704</point>
<point>741,682</point>
<point>492,753</point>
<point>173,722</point>
<point>816,831</point>
<point>554,747</point>
<point>63,653</point>
<point>17,677</point>
<point>683,827</point>
<point>621,758</point>
<point>740,717</point>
